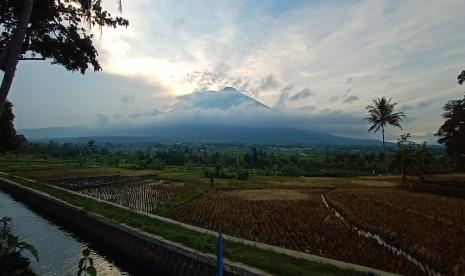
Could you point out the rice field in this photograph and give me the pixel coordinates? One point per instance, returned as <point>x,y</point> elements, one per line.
<point>369,221</point>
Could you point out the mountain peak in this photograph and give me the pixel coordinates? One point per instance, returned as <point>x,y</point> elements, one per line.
<point>229,88</point>
<point>223,99</point>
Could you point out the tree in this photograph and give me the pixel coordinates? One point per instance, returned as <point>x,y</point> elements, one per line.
<point>91,145</point>
<point>50,29</point>
<point>426,159</point>
<point>8,138</point>
<point>452,131</point>
<point>381,114</point>
<point>461,77</point>
<point>411,158</point>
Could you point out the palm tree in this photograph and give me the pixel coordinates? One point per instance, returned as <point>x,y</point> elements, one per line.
<point>381,114</point>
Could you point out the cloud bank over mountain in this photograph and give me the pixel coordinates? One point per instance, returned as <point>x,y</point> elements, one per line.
<point>315,56</point>
<point>228,110</point>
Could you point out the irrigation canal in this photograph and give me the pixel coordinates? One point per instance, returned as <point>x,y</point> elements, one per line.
<point>59,248</point>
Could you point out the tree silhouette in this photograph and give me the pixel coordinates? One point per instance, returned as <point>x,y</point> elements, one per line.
<point>461,77</point>
<point>8,138</point>
<point>50,29</point>
<point>410,157</point>
<point>381,114</point>
<point>452,131</point>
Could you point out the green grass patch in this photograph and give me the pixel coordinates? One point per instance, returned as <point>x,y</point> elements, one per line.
<point>190,195</point>
<point>266,260</point>
<point>26,163</point>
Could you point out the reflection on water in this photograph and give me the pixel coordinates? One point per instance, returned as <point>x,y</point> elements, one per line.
<point>59,250</point>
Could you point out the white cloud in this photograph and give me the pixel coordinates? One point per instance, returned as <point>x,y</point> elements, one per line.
<point>128,99</point>
<point>408,50</point>
<point>350,99</point>
<point>302,94</point>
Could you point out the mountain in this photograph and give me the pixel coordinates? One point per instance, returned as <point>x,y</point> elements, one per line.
<point>224,99</point>
<point>202,134</point>
<point>225,116</point>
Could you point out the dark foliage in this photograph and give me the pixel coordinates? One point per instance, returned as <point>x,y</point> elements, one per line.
<point>412,158</point>
<point>58,30</point>
<point>12,262</point>
<point>8,138</point>
<point>452,132</point>
<point>381,114</point>
<point>461,77</point>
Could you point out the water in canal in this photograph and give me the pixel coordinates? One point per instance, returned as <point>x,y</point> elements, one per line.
<point>59,250</point>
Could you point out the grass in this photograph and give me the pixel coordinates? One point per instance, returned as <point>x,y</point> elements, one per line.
<point>266,260</point>
<point>56,173</point>
<point>186,197</point>
<point>12,163</point>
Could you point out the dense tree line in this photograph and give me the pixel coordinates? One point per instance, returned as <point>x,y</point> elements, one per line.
<point>222,163</point>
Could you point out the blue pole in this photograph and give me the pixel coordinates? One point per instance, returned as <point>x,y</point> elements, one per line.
<point>219,256</point>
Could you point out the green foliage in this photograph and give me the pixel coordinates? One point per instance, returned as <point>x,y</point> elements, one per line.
<point>145,160</point>
<point>225,163</point>
<point>231,173</point>
<point>11,260</point>
<point>238,163</point>
<point>86,264</point>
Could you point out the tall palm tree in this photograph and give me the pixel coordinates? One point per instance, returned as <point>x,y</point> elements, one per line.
<point>381,114</point>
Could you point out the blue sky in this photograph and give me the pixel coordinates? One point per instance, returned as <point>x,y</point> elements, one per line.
<point>325,57</point>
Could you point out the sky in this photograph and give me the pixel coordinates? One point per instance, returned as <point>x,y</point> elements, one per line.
<point>318,60</point>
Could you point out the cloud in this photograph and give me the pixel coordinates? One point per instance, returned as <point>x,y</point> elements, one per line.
<point>102,120</point>
<point>344,97</point>
<point>334,98</point>
<point>128,99</point>
<point>415,106</point>
<point>178,24</point>
<point>304,93</point>
<point>150,113</point>
<point>219,78</point>
<point>308,108</point>
<point>407,50</point>
<point>336,121</point>
<point>268,82</point>
<point>281,103</point>
<point>350,99</point>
